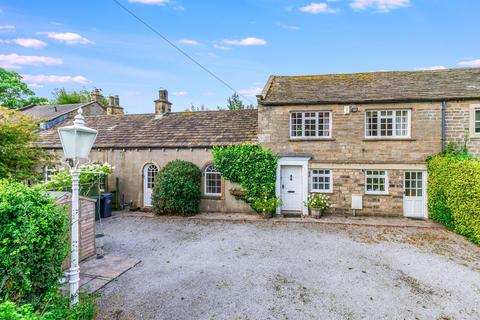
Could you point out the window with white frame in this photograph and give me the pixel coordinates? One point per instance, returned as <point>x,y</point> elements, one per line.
<point>316,124</point>
<point>321,180</point>
<point>213,181</point>
<point>48,173</point>
<point>477,121</point>
<point>387,123</point>
<point>376,182</point>
<point>152,172</point>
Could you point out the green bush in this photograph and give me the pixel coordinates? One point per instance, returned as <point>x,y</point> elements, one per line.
<point>54,307</point>
<point>177,189</point>
<point>250,166</point>
<point>33,243</point>
<point>454,193</point>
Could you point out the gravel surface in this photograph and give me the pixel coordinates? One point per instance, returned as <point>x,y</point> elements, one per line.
<point>220,270</point>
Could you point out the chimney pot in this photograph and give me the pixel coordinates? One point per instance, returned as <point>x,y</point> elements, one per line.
<point>117,100</point>
<point>162,105</point>
<point>111,101</point>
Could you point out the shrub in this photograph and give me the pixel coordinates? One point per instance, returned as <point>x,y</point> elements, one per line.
<point>33,243</point>
<point>266,204</point>
<point>454,193</point>
<point>10,311</point>
<point>177,189</point>
<point>250,166</point>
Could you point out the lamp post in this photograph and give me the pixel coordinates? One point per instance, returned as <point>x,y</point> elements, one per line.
<point>77,141</point>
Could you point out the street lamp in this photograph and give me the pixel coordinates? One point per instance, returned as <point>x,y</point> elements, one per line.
<point>77,141</point>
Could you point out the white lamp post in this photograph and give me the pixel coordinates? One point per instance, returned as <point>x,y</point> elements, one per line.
<point>77,141</point>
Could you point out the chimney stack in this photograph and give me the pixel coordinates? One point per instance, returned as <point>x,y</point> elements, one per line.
<point>162,105</point>
<point>114,105</point>
<point>96,96</point>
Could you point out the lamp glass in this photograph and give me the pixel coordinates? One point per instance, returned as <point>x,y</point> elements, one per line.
<point>77,142</point>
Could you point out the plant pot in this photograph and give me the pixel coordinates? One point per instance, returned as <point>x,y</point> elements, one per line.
<point>316,212</point>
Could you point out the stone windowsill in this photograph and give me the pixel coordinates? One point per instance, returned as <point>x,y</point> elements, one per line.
<point>389,139</point>
<point>212,198</point>
<point>310,139</point>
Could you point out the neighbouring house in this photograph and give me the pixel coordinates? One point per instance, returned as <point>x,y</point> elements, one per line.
<point>139,145</point>
<point>360,138</point>
<point>363,138</point>
<point>53,115</point>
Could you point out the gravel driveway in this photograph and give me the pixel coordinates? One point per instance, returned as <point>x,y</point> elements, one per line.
<point>218,270</point>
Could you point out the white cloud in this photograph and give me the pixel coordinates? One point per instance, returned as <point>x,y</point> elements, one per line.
<point>40,79</point>
<point>179,8</point>
<point>250,41</point>
<point>220,47</point>
<point>189,42</point>
<point>251,92</point>
<point>154,2</point>
<point>180,93</point>
<point>68,37</point>
<point>287,27</point>
<point>15,61</point>
<point>470,63</point>
<point>380,5</point>
<point>30,43</point>
<point>318,7</point>
<point>433,68</point>
<point>7,27</point>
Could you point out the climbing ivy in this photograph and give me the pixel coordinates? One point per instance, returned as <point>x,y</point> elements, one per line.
<point>254,168</point>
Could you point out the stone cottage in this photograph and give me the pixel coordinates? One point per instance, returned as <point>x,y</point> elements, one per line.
<point>360,138</point>
<point>363,138</point>
<point>139,145</point>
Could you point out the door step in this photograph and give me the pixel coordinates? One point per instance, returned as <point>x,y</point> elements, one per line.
<point>291,214</point>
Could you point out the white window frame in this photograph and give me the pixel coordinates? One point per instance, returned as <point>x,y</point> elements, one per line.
<point>321,175</point>
<point>316,136</point>
<point>205,179</point>
<point>48,173</point>
<point>394,124</point>
<point>384,176</point>
<point>475,121</point>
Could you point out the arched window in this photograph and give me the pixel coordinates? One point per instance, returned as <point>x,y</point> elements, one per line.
<point>152,171</point>
<point>213,181</point>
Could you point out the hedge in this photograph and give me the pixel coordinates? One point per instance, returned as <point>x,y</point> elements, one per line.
<point>177,189</point>
<point>454,193</point>
<point>33,243</point>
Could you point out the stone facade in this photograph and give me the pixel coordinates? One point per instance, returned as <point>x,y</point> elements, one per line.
<point>348,153</point>
<point>129,164</point>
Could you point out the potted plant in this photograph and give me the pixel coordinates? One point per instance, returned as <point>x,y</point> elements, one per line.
<point>266,205</point>
<point>317,203</point>
<point>237,192</point>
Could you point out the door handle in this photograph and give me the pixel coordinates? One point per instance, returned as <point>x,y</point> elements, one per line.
<point>291,191</point>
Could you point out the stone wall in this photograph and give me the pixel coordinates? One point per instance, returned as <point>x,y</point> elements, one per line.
<point>128,167</point>
<point>348,143</point>
<point>460,124</point>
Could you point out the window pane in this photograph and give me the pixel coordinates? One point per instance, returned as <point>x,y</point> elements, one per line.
<point>310,124</point>
<point>296,124</point>
<point>372,124</point>
<point>324,124</point>
<point>321,180</point>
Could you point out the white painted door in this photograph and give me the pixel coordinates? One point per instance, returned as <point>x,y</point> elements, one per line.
<point>414,199</point>
<point>149,173</point>
<point>291,188</point>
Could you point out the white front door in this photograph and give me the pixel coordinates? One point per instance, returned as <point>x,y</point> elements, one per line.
<point>149,174</point>
<point>414,199</point>
<point>291,188</point>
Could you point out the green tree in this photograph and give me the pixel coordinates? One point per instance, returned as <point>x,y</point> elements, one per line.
<point>235,103</point>
<point>14,93</point>
<point>19,155</point>
<point>62,96</point>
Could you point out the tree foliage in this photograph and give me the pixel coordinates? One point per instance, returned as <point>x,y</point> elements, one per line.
<point>235,103</point>
<point>254,168</point>
<point>14,93</point>
<point>177,189</point>
<point>62,96</point>
<point>20,157</point>
<point>33,243</point>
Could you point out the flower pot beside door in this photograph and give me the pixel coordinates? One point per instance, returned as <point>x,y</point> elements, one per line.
<point>317,203</point>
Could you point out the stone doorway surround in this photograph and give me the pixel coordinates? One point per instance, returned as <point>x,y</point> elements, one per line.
<point>300,160</point>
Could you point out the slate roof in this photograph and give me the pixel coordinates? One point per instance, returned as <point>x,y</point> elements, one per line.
<point>373,87</point>
<point>49,112</point>
<point>173,130</point>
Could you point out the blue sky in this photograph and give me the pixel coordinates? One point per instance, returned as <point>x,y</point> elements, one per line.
<point>87,43</point>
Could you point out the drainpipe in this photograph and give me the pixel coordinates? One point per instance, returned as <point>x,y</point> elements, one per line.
<point>444,124</point>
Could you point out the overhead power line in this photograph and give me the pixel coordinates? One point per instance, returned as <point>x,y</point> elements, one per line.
<point>225,83</point>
